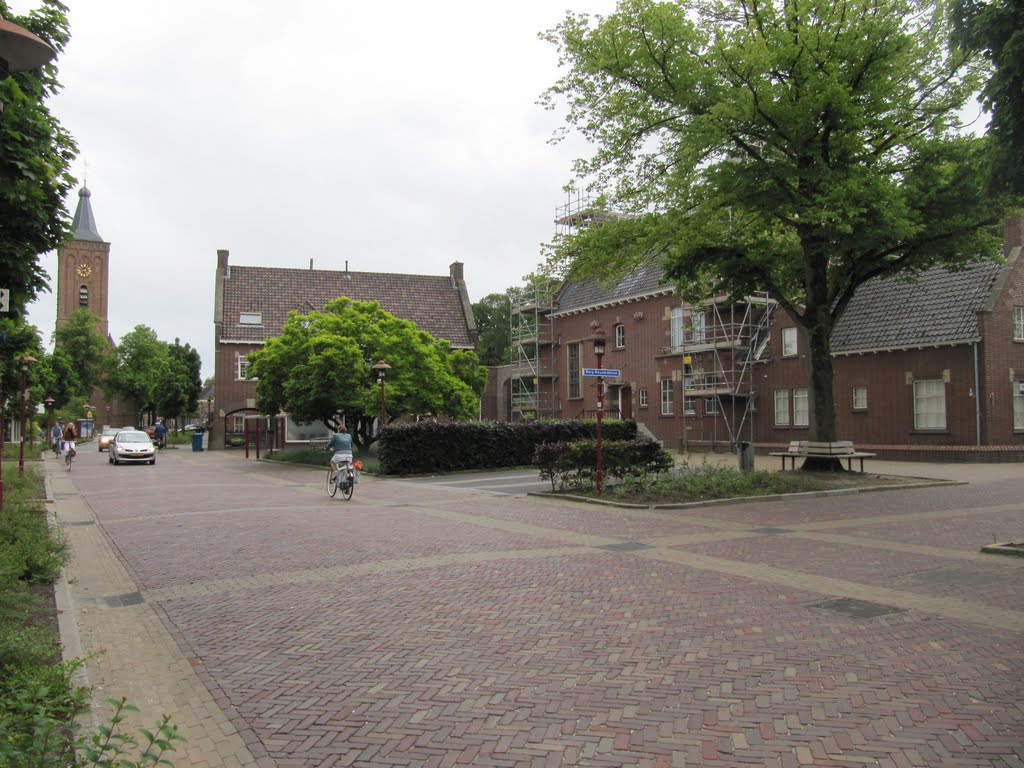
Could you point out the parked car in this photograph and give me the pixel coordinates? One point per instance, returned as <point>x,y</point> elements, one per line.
<point>151,431</point>
<point>106,437</point>
<point>131,445</point>
<point>192,428</point>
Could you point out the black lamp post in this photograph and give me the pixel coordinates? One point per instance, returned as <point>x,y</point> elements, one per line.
<point>599,352</point>
<point>382,368</point>
<point>25,361</point>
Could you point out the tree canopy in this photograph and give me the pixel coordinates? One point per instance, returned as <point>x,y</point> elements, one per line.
<point>320,370</point>
<point>492,315</point>
<point>35,159</point>
<point>800,147</point>
<point>79,337</point>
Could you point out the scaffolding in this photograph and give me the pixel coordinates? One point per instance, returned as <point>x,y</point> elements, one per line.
<point>533,352</point>
<point>720,343</point>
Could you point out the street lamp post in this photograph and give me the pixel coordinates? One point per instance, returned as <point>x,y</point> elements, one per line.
<point>599,352</point>
<point>382,368</point>
<point>25,360</point>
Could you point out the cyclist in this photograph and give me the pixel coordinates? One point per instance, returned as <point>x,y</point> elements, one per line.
<point>160,433</point>
<point>341,444</point>
<point>69,439</point>
<point>55,434</point>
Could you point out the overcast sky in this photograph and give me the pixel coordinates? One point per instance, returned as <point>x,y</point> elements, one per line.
<point>398,136</point>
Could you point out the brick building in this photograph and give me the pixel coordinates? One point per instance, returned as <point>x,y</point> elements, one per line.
<point>251,305</point>
<point>929,368</point>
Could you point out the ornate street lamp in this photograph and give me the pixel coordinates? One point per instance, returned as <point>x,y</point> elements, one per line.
<point>599,352</point>
<point>25,361</point>
<point>20,49</point>
<point>382,368</point>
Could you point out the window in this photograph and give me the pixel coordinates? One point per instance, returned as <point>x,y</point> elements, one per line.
<point>789,342</point>
<point>643,398</point>
<point>251,318</point>
<point>243,366</point>
<point>689,381</point>
<point>675,327</point>
<point>690,405</point>
<point>710,406</point>
<point>575,391</point>
<point>620,336</point>
<point>782,407</point>
<point>860,398</point>
<point>1018,405</point>
<point>800,407</point>
<point>239,425</point>
<point>1018,323</point>
<point>667,395</point>
<point>698,335</point>
<point>83,296</point>
<point>930,404</point>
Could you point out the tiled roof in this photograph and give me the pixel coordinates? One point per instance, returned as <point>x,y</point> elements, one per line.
<point>940,307</point>
<point>432,302</point>
<point>642,281</point>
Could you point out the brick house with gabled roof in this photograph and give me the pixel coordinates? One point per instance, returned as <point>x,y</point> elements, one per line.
<point>932,367</point>
<point>251,305</point>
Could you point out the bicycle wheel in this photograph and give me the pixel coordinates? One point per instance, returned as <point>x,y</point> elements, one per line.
<point>332,482</point>
<point>348,485</point>
<point>67,460</point>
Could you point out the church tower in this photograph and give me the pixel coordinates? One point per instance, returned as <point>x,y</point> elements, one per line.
<point>83,267</point>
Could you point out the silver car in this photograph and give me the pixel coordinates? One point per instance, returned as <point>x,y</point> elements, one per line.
<point>132,445</point>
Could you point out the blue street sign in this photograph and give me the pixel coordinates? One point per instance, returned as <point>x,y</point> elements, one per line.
<point>611,373</point>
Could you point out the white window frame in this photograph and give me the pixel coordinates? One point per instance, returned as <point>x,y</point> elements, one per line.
<point>250,318</point>
<point>239,423</point>
<point>643,398</point>
<point>801,403</point>
<point>699,325</point>
<point>667,397</point>
<point>789,342</point>
<point>242,366</point>
<point>710,406</point>
<point>929,404</point>
<point>690,406</point>
<point>574,386</point>
<point>620,336</point>
<point>1018,405</point>
<point>1018,323</point>
<point>675,327</point>
<point>782,408</point>
<point>859,399</point>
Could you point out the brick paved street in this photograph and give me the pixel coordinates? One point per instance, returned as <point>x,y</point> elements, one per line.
<point>424,625</point>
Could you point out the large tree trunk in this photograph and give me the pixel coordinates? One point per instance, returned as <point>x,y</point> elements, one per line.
<point>818,332</point>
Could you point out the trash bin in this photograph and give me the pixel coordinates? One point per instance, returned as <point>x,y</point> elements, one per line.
<point>197,441</point>
<point>746,455</point>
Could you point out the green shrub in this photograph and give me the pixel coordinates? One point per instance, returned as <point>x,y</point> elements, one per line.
<point>710,482</point>
<point>575,463</point>
<point>429,447</point>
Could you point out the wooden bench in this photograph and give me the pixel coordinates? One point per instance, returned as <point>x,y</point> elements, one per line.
<point>841,449</point>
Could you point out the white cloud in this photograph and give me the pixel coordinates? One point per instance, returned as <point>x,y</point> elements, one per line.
<point>399,137</point>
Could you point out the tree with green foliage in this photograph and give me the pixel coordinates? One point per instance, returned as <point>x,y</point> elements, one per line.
<point>995,28</point>
<point>35,157</point>
<point>139,366</point>
<point>493,321</point>
<point>320,370</point>
<point>79,337</point>
<point>177,390</point>
<point>800,147</point>
<point>57,377</point>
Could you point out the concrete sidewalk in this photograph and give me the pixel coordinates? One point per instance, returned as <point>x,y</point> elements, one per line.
<point>427,626</point>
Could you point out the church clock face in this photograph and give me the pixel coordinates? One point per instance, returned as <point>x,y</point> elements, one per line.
<point>84,270</point>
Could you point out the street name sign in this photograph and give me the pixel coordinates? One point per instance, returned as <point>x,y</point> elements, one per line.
<point>611,373</point>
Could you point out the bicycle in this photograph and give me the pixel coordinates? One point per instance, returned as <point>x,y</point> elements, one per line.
<point>69,456</point>
<point>343,480</point>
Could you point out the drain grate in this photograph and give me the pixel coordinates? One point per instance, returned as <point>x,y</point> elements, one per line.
<point>770,529</point>
<point>120,601</point>
<point>625,546</point>
<point>860,609</point>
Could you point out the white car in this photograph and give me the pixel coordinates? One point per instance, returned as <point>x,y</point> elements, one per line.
<point>131,445</point>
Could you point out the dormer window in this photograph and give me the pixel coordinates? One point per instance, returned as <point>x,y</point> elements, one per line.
<point>83,296</point>
<point>251,318</point>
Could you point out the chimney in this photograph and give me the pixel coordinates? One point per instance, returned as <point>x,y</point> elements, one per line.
<point>455,270</point>
<point>1013,232</point>
<point>311,265</point>
<point>222,259</point>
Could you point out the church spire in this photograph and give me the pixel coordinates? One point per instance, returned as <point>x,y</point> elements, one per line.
<point>84,225</point>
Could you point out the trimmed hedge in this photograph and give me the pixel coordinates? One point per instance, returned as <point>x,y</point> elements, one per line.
<point>575,463</point>
<point>429,447</point>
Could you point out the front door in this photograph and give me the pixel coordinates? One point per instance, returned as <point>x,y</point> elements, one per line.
<point>626,403</point>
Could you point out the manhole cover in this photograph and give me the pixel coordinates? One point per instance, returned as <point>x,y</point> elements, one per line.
<point>770,529</point>
<point>859,608</point>
<point>120,601</point>
<point>625,546</point>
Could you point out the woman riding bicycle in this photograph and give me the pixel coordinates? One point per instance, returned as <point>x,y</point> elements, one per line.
<point>341,444</point>
<point>69,439</point>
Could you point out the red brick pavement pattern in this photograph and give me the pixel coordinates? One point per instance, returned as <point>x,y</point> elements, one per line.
<point>589,658</point>
<point>968,533</point>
